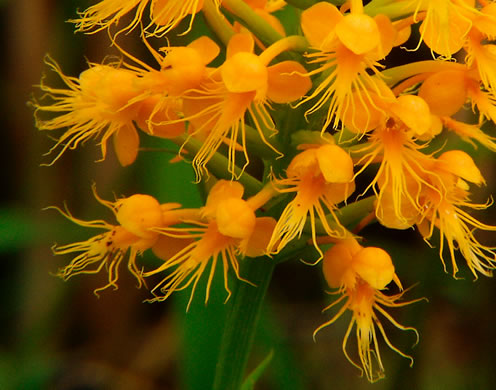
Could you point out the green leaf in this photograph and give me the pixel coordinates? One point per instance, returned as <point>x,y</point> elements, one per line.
<point>251,379</point>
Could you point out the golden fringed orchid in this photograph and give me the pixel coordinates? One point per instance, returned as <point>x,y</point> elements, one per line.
<point>137,217</point>
<point>109,100</point>
<point>224,229</point>
<point>360,274</point>
<point>182,68</point>
<point>321,177</point>
<point>346,48</point>
<point>245,83</point>
<point>443,209</point>
<point>403,166</point>
<point>100,103</point>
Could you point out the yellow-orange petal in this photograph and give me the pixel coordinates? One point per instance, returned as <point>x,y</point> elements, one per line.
<point>256,244</point>
<point>235,218</point>
<point>244,72</point>
<point>287,82</point>
<point>126,144</point>
<point>138,214</point>
<point>445,92</point>
<point>413,112</point>
<point>387,213</point>
<point>183,69</point>
<point>486,21</point>
<point>206,48</point>
<point>362,114</point>
<point>165,247</point>
<point>374,265</point>
<point>337,264</point>
<point>221,191</point>
<point>109,90</point>
<point>461,164</point>
<point>358,32</point>
<point>387,35</point>
<point>336,193</point>
<point>318,23</point>
<point>445,32</point>
<point>121,238</point>
<point>402,35</point>
<point>242,42</point>
<point>435,129</point>
<point>142,244</point>
<point>158,121</point>
<point>335,164</point>
<point>302,162</point>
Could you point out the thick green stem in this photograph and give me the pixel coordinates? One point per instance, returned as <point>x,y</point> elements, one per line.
<point>217,21</point>
<point>241,323</point>
<point>257,25</point>
<point>393,9</point>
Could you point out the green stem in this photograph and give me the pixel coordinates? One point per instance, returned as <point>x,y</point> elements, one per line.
<point>393,9</point>
<point>255,142</point>
<point>293,42</point>
<point>352,213</point>
<point>218,165</point>
<point>257,25</point>
<point>241,323</point>
<point>217,21</point>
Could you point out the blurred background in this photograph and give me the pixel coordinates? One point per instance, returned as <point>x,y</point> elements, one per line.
<point>58,335</point>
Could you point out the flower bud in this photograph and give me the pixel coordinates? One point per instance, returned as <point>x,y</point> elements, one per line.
<point>461,164</point>
<point>445,92</point>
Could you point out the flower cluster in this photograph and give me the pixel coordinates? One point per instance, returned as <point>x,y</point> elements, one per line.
<point>320,110</point>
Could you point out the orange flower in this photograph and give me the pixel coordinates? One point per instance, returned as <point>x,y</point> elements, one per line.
<point>346,48</point>
<point>456,226</point>
<point>360,274</point>
<point>108,101</point>
<point>403,167</point>
<point>137,216</point>
<point>245,83</point>
<point>227,228</point>
<point>100,103</point>
<point>320,176</point>
<point>182,68</point>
